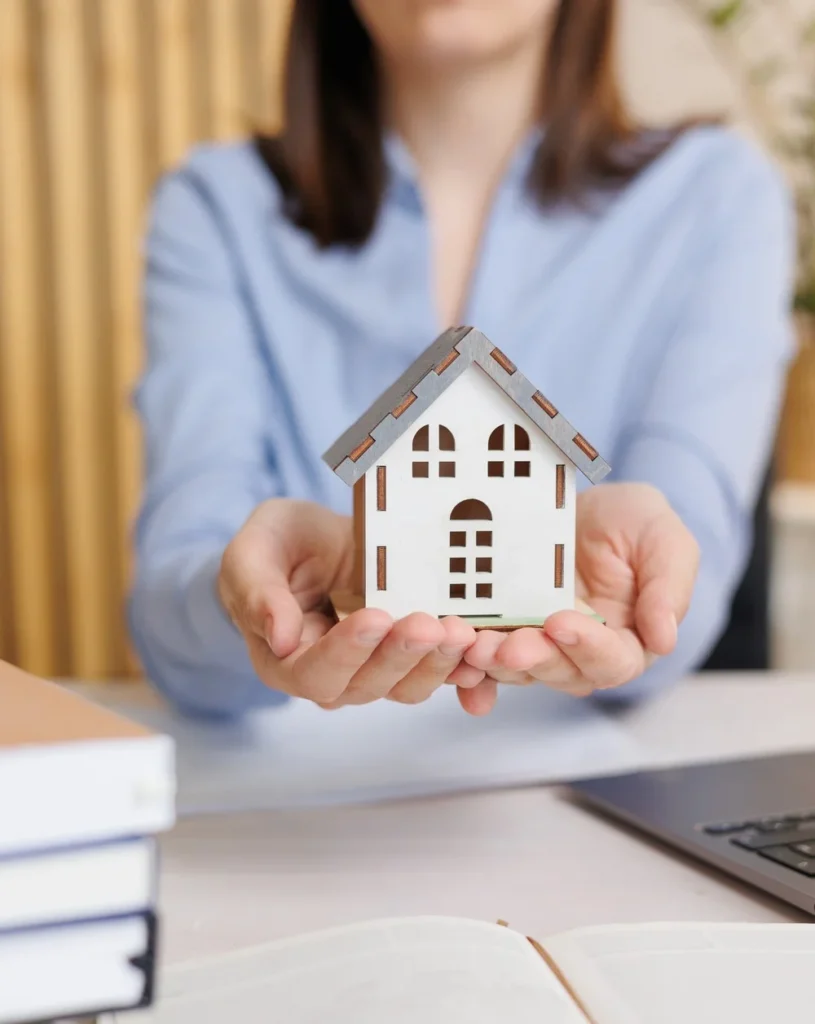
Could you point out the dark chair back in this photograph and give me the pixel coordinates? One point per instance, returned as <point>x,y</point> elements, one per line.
<point>745,644</point>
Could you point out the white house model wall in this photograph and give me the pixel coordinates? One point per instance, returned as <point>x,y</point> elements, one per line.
<point>472,452</point>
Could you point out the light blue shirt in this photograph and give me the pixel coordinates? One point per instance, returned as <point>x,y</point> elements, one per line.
<point>656,321</point>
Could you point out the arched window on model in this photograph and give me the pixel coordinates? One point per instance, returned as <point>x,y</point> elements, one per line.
<point>509,445</point>
<point>434,444</point>
<point>471,550</point>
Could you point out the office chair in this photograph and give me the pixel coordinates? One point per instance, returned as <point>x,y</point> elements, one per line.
<point>744,646</point>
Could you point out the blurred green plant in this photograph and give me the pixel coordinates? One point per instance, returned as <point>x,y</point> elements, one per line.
<point>769,45</point>
<point>721,15</point>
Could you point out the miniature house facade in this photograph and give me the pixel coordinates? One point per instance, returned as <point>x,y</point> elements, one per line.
<point>464,482</point>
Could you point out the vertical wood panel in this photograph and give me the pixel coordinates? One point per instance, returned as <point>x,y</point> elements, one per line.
<point>28,469</point>
<point>227,96</point>
<point>274,17</point>
<point>97,98</point>
<point>174,74</point>
<point>7,629</point>
<point>124,149</point>
<point>76,356</point>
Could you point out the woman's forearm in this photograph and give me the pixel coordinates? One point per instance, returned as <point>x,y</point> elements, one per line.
<point>188,646</point>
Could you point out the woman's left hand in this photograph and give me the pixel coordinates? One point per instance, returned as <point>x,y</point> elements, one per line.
<point>636,565</point>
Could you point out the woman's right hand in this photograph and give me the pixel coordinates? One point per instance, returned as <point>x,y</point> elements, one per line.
<point>274,583</point>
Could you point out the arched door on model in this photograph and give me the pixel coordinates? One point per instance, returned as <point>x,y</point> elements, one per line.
<point>471,543</point>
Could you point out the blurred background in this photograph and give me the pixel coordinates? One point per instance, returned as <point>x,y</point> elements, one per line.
<point>97,97</point>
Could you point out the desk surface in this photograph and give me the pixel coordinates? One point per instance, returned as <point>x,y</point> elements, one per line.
<point>527,856</point>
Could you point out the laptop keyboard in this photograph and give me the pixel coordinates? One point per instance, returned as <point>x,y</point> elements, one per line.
<point>788,839</point>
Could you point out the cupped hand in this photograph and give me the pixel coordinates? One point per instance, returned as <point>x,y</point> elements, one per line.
<point>274,578</point>
<point>636,565</point>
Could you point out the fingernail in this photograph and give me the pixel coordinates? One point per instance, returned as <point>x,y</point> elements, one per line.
<point>452,652</point>
<point>566,639</point>
<point>371,639</point>
<point>419,645</point>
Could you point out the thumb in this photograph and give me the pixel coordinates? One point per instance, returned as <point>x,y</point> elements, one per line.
<point>480,700</point>
<point>256,594</point>
<point>668,561</point>
<point>281,619</point>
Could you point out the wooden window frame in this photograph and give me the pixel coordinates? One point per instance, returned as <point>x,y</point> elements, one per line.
<point>560,486</point>
<point>559,566</point>
<point>381,568</point>
<point>381,489</point>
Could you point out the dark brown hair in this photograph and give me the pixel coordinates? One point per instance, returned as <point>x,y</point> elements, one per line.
<point>329,159</point>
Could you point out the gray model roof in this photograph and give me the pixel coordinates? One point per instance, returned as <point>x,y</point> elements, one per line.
<point>364,443</point>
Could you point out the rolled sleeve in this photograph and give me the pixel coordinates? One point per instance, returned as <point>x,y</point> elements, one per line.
<point>204,402</point>
<point>706,432</point>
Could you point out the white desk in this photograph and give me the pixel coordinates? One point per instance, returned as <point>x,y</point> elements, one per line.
<point>526,856</point>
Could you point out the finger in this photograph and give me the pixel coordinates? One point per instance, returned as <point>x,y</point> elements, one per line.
<point>605,657</point>
<point>323,671</point>
<point>275,672</point>
<point>465,676</point>
<point>532,653</point>
<point>482,653</point>
<point>256,595</point>
<point>316,623</point>
<point>531,658</point>
<point>524,648</point>
<point>283,625</point>
<point>247,595</point>
<point>666,573</point>
<point>422,681</point>
<point>508,678</point>
<point>434,669</point>
<point>480,700</point>
<point>407,644</point>
<point>272,614</point>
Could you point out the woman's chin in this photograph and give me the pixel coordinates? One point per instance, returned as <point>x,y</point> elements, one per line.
<point>463,38</point>
<point>440,52</point>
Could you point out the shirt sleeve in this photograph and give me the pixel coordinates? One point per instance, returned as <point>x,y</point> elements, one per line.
<point>708,425</point>
<point>203,401</point>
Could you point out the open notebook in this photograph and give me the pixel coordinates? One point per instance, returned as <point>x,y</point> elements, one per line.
<point>442,971</point>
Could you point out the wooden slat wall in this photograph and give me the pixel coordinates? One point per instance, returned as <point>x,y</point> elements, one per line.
<point>97,97</point>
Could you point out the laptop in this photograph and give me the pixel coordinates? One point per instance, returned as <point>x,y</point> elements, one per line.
<point>754,819</point>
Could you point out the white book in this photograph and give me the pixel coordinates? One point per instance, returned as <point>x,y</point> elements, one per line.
<point>449,971</point>
<point>109,880</point>
<point>73,773</point>
<point>76,970</point>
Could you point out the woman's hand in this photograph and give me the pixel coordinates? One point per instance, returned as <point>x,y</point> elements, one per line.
<point>273,583</point>
<point>636,565</point>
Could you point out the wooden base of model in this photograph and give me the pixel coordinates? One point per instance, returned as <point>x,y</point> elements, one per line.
<point>344,603</point>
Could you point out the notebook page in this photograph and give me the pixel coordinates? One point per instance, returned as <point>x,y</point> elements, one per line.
<point>690,974</point>
<point>417,971</point>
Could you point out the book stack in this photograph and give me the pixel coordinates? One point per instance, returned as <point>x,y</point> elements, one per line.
<point>83,794</point>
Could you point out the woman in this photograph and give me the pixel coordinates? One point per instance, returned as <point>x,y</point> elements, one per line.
<point>451,162</point>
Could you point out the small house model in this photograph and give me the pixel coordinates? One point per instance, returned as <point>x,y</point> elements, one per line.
<point>464,490</point>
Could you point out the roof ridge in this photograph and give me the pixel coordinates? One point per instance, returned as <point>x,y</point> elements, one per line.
<point>441,363</point>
